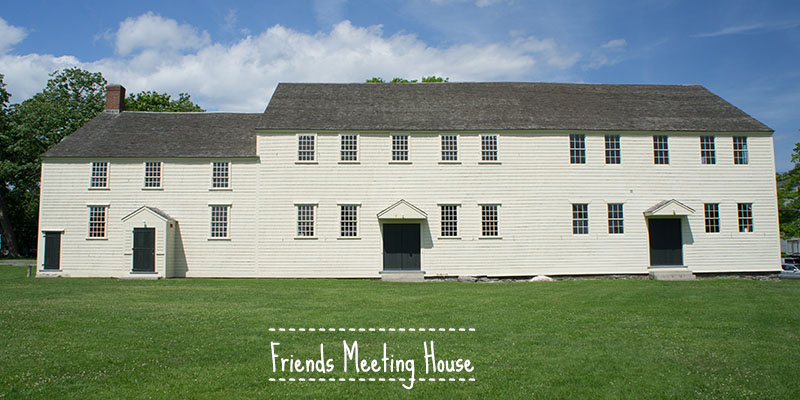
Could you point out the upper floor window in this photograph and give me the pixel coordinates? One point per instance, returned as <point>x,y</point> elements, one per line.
<point>99,175</point>
<point>152,174</point>
<point>613,152</point>
<point>348,220</point>
<point>399,147</point>
<point>489,220</point>
<point>745,217</point>
<point>660,150</point>
<point>577,149</point>
<point>708,152</point>
<point>220,174</point>
<point>219,221</point>
<point>740,150</point>
<point>616,222</point>
<point>580,219</point>
<point>488,147</point>
<point>711,217</point>
<point>349,148</point>
<point>97,221</point>
<point>305,220</point>
<point>449,220</point>
<point>449,147</point>
<point>306,145</point>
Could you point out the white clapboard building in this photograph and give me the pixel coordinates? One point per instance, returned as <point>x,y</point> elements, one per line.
<point>413,180</point>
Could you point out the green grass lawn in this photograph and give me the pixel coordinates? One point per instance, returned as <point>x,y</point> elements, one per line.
<point>107,338</point>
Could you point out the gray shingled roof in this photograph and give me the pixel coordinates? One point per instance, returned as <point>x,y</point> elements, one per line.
<point>165,135</point>
<point>503,105</point>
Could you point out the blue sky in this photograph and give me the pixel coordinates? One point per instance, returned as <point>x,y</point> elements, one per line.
<point>230,55</point>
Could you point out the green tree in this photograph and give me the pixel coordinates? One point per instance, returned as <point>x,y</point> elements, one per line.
<point>432,78</point>
<point>9,239</point>
<point>154,101</point>
<point>789,198</point>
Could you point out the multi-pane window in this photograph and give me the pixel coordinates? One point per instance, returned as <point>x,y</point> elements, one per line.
<point>305,220</point>
<point>488,147</point>
<point>745,217</point>
<point>449,220</point>
<point>99,175</point>
<point>399,147</point>
<point>97,221</point>
<point>580,219</point>
<point>708,151</point>
<point>449,147</point>
<point>348,220</point>
<point>613,153</point>
<point>349,148</point>
<point>712,217</point>
<point>615,218</point>
<point>305,147</point>
<point>220,174</point>
<point>577,149</point>
<point>152,174</point>
<point>740,150</point>
<point>219,221</point>
<point>489,220</point>
<point>660,150</point>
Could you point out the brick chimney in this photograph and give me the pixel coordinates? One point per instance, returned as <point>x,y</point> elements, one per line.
<point>115,98</point>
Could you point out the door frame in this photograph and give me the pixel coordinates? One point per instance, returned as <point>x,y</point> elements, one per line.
<point>418,223</point>
<point>133,250</point>
<point>650,245</point>
<point>44,256</point>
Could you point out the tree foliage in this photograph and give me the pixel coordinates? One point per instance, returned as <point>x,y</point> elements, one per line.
<point>431,79</point>
<point>154,101</point>
<point>789,198</point>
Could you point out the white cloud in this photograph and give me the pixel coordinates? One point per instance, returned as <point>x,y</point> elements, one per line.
<point>10,35</point>
<point>608,54</point>
<point>614,44</point>
<point>241,76</point>
<point>751,29</point>
<point>478,3</point>
<point>150,31</point>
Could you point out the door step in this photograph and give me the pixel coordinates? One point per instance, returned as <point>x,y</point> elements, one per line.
<point>403,276</point>
<point>671,274</point>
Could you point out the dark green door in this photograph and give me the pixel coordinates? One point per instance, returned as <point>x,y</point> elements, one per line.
<point>666,243</point>
<point>52,250</point>
<point>144,249</point>
<point>401,247</point>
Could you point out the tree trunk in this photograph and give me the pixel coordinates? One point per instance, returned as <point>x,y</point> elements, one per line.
<point>9,239</point>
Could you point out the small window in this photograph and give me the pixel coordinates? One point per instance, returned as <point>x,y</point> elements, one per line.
<point>660,150</point>
<point>613,152</point>
<point>577,149</point>
<point>740,150</point>
<point>348,220</point>
<point>152,174</point>
<point>449,220</point>
<point>219,221</point>
<point>489,220</point>
<point>449,147</point>
<point>97,221</point>
<point>745,217</point>
<point>306,147</point>
<point>399,147</point>
<point>220,174</point>
<point>349,148</point>
<point>615,218</point>
<point>305,220</point>
<point>712,217</point>
<point>580,219</point>
<point>99,175</point>
<point>708,152</point>
<point>488,147</point>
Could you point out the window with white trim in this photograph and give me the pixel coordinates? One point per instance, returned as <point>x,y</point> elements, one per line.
<point>99,177</point>
<point>449,147</point>
<point>660,150</point>
<point>97,221</point>
<point>220,174</point>
<point>580,219</point>
<point>348,220</point>
<point>489,220</point>
<point>613,150</point>
<point>577,149</point>
<point>745,217</point>
<point>711,217</point>
<point>740,150</point>
<point>305,220</point>
<point>306,145</point>
<point>488,147</point>
<point>349,147</point>
<point>399,147</point>
<point>615,218</point>
<point>152,174</point>
<point>449,220</point>
<point>708,151</point>
<point>219,221</point>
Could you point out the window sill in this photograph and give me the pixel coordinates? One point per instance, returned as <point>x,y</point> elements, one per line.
<point>349,162</point>
<point>97,238</point>
<point>99,188</point>
<point>153,188</point>
<point>306,238</point>
<point>220,238</point>
<point>449,237</point>
<point>349,238</point>
<point>399,162</point>
<point>489,237</point>
<point>307,162</point>
<point>450,162</point>
<point>490,162</point>
<point>220,189</point>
